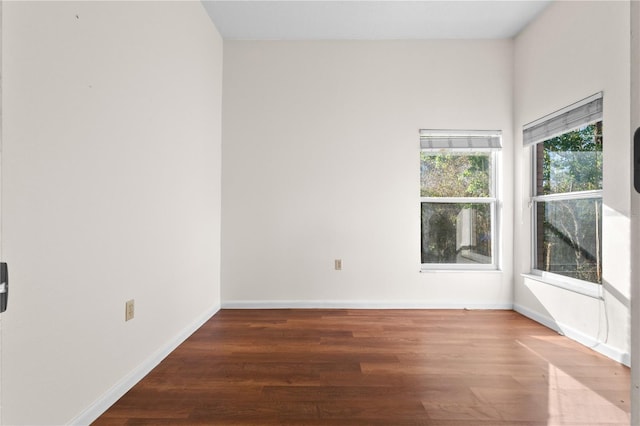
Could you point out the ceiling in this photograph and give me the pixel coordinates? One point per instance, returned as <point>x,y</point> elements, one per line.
<point>371,20</point>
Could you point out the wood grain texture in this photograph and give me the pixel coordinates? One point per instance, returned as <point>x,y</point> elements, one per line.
<point>377,367</point>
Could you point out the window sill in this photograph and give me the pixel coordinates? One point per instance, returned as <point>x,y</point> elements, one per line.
<point>581,287</point>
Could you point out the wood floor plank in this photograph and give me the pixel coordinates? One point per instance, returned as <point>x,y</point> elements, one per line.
<point>377,367</point>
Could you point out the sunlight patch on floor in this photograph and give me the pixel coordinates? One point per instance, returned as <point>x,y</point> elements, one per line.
<point>571,401</point>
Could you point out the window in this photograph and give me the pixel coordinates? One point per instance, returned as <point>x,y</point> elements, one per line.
<point>458,198</point>
<point>567,191</point>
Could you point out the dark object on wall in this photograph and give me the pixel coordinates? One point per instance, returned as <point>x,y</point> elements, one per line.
<point>636,160</point>
<point>4,286</point>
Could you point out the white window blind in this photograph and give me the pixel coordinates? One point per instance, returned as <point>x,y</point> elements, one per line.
<point>570,118</point>
<point>452,139</point>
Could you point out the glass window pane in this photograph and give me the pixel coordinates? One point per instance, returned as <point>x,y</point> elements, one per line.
<point>568,240</point>
<point>570,162</point>
<point>456,233</point>
<point>455,174</point>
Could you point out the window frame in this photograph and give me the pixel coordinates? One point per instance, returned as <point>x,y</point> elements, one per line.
<point>574,284</point>
<point>493,200</point>
<point>574,117</point>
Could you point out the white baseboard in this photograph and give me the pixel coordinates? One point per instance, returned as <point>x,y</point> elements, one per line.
<point>101,405</point>
<point>357,304</point>
<point>570,332</point>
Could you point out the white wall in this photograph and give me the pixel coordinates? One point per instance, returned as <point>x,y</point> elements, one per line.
<point>321,161</point>
<point>635,219</point>
<point>111,191</point>
<point>573,50</point>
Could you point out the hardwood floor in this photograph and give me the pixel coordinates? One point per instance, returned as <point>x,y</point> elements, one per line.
<point>377,367</point>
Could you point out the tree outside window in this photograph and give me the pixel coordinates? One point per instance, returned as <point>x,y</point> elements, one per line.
<point>568,204</point>
<point>458,202</point>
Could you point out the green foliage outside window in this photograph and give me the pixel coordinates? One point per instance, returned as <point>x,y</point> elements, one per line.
<point>572,161</point>
<point>455,174</point>
<point>456,232</point>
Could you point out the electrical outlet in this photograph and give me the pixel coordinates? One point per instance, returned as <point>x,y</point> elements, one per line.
<point>338,264</point>
<point>128,310</point>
